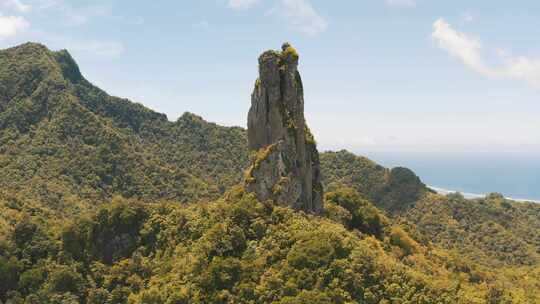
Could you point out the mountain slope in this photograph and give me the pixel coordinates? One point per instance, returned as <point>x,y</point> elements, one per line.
<point>60,145</point>
<point>239,250</point>
<point>58,131</point>
<point>394,190</point>
<point>90,213</point>
<point>491,231</point>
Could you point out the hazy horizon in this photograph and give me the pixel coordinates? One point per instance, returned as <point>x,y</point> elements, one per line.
<point>515,175</point>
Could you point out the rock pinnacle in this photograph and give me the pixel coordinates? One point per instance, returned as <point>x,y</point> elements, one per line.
<point>285,166</point>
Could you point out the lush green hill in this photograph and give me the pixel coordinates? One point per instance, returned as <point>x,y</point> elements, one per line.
<point>105,201</point>
<point>491,231</point>
<point>392,190</point>
<point>66,145</point>
<point>238,250</point>
<point>213,153</point>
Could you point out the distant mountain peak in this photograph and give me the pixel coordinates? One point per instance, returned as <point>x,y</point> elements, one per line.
<point>29,46</point>
<point>70,69</point>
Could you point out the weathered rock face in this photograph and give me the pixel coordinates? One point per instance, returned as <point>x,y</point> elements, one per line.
<point>286,165</point>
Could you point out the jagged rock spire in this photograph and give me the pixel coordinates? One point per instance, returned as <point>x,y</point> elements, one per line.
<point>286,164</point>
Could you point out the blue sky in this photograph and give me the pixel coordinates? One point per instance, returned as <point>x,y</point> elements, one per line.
<point>379,75</point>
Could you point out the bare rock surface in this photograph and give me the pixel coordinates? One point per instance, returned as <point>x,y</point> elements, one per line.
<point>285,166</point>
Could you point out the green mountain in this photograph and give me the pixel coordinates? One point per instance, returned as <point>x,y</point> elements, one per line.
<point>105,201</point>
<point>393,190</point>
<point>492,231</point>
<point>66,145</point>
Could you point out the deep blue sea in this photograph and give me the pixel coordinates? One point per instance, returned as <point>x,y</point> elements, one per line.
<point>514,175</point>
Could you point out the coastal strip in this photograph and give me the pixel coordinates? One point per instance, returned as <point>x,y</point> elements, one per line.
<point>476,195</point>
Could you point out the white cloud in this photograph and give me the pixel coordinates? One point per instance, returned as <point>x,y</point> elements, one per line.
<point>242,4</point>
<point>16,5</point>
<point>523,68</point>
<point>302,17</point>
<point>100,48</point>
<point>12,25</point>
<point>469,51</point>
<point>464,47</point>
<point>409,3</point>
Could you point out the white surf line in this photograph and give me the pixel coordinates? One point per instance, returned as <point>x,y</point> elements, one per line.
<point>476,195</point>
<point>523,200</point>
<point>465,194</point>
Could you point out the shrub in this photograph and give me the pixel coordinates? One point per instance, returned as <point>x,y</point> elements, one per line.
<point>9,274</point>
<point>400,238</point>
<point>307,297</point>
<point>24,232</point>
<point>364,216</point>
<point>64,279</point>
<point>310,254</point>
<point>32,279</point>
<point>222,273</point>
<point>288,51</point>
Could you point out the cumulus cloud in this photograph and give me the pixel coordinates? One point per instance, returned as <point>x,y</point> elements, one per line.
<point>16,5</point>
<point>469,50</point>
<point>302,17</point>
<point>12,25</point>
<point>460,45</point>
<point>242,4</point>
<point>408,3</point>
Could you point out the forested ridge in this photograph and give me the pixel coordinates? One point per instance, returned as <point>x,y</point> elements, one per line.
<point>105,201</point>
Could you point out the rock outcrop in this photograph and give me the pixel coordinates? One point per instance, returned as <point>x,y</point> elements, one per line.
<point>285,164</point>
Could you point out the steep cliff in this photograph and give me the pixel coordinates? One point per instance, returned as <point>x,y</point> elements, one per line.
<point>286,166</point>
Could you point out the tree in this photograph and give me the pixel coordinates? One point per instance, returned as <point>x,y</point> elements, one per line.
<point>364,216</point>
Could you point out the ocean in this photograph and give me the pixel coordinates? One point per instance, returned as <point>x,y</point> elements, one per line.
<point>514,175</point>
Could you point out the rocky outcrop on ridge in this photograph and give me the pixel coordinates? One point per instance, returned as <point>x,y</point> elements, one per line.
<point>285,166</point>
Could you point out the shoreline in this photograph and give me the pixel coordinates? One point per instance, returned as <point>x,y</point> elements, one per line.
<point>468,195</point>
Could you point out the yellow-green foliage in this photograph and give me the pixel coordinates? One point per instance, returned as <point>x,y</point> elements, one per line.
<point>363,215</point>
<point>290,52</point>
<point>392,190</point>
<point>238,250</point>
<point>263,154</point>
<point>491,231</point>
<point>66,145</point>
<point>257,158</point>
<point>310,139</point>
<point>400,238</point>
<point>337,213</point>
<point>278,187</point>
